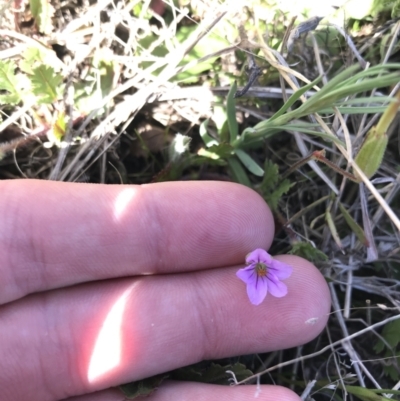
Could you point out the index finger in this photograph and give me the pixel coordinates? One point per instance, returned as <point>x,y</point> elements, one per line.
<point>58,234</point>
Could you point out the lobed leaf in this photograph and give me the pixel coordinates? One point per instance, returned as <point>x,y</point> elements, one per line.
<point>9,83</point>
<point>46,84</point>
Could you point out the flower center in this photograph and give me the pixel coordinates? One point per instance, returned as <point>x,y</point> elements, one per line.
<point>261,269</point>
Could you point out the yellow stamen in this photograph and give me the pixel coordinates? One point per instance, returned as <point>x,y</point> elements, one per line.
<point>261,269</point>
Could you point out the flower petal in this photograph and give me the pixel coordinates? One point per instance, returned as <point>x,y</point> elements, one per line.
<point>259,255</point>
<point>247,274</point>
<point>280,270</point>
<point>257,291</point>
<point>277,288</point>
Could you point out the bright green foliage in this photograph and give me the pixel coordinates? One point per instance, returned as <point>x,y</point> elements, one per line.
<point>91,91</point>
<point>396,9</point>
<point>307,251</point>
<point>34,56</point>
<point>46,84</point>
<point>210,44</point>
<point>272,187</point>
<point>238,172</point>
<point>9,83</point>
<point>346,83</point>
<point>223,150</point>
<point>370,156</point>
<point>106,70</point>
<point>42,11</point>
<point>391,334</point>
<point>249,163</point>
<point>31,56</point>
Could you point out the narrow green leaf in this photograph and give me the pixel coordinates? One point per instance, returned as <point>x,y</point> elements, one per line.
<point>365,394</point>
<point>333,230</point>
<point>296,96</point>
<point>367,100</point>
<point>357,230</point>
<point>348,83</point>
<point>354,110</point>
<point>334,82</point>
<point>231,113</point>
<point>306,129</point>
<point>207,139</point>
<point>238,172</point>
<point>361,86</point>
<point>249,163</point>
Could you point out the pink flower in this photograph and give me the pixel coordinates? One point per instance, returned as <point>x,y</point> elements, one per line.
<point>263,274</point>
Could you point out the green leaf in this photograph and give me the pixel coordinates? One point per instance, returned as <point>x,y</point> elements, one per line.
<point>272,192</point>
<point>238,172</point>
<point>143,387</point>
<point>271,176</point>
<point>249,163</point>
<point>365,394</point>
<point>42,11</point>
<point>307,251</point>
<point>344,84</point>
<point>391,333</point>
<point>46,84</point>
<point>348,83</point>
<point>370,156</point>
<point>207,139</point>
<point>198,57</point>
<point>332,228</point>
<point>9,83</point>
<point>396,10</point>
<point>296,96</point>
<point>231,113</point>
<point>357,230</point>
<point>223,150</point>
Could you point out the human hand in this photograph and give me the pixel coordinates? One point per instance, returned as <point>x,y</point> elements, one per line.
<point>103,285</point>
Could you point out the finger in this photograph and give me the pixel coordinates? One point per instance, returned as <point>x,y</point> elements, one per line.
<point>183,391</point>
<point>112,394</point>
<point>98,335</point>
<point>57,234</point>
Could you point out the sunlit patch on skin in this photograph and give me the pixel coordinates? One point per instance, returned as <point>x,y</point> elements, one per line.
<point>312,321</point>
<point>107,350</point>
<point>122,201</point>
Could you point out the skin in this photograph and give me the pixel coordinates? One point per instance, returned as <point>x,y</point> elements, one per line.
<point>102,285</point>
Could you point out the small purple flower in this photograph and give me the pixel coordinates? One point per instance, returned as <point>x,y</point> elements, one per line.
<point>263,274</point>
